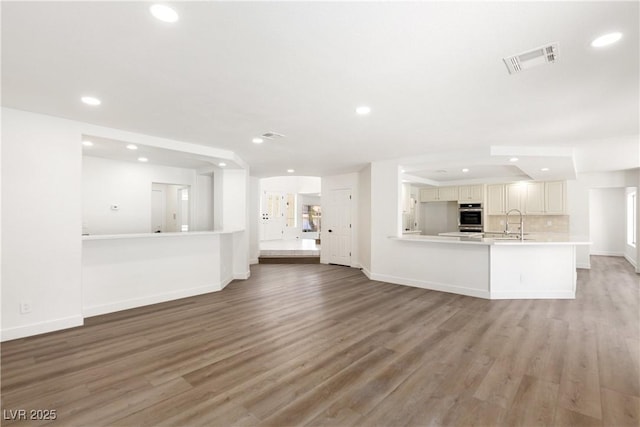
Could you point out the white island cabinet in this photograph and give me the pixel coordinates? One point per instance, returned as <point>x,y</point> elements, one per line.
<point>543,267</point>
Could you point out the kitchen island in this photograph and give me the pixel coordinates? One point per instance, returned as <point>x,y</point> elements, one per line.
<point>542,266</point>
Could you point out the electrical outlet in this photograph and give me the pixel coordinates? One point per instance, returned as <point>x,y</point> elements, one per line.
<point>549,223</point>
<point>25,307</point>
<point>502,222</point>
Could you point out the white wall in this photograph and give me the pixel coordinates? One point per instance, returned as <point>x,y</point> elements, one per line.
<point>41,223</point>
<point>236,216</point>
<point>254,220</point>
<point>631,252</point>
<point>343,182</point>
<point>203,199</point>
<point>578,203</point>
<point>42,217</point>
<point>127,184</point>
<point>364,218</point>
<point>438,217</point>
<point>607,221</point>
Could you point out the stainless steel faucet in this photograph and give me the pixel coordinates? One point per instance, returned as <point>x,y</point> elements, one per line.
<point>521,223</point>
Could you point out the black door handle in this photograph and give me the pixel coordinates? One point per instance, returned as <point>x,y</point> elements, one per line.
<point>330,231</point>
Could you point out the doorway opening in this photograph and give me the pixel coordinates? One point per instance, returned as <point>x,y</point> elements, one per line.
<point>290,220</point>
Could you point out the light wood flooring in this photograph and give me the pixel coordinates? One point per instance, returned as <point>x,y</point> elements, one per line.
<point>322,345</point>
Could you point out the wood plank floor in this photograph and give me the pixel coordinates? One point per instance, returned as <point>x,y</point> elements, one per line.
<point>322,345</point>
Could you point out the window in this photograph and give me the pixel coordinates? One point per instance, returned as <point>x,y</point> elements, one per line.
<point>632,218</point>
<point>311,218</point>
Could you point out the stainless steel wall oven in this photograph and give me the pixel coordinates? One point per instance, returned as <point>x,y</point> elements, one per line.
<point>470,217</point>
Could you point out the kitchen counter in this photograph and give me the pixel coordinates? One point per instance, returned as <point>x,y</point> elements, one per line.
<point>477,239</point>
<point>542,266</point>
<point>156,235</point>
<point>412,232</point>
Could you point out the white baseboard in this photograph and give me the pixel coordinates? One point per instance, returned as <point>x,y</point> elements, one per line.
<point>631,261</point>
<point>111,307</point>
<point>366,272</point>
<point>584,265</point>
<point>606,253</point>
<point>430,285</point>
<point>253,261</point>
<point>533,295</point>
<point>41,327</point>
<point>242,276</point>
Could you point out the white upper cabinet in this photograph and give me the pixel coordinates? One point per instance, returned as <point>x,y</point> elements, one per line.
<point>448,194</point>
<point>531,198</point>
<point>438,194</point>
<point>534,204</point>
<point>495,199</point>
<point>515,195</point>
<point>471,193</point>
<point>429,194</point>
<point>555,197</point>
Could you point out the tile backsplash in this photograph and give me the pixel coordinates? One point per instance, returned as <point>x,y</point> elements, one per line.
<point>532,223</point>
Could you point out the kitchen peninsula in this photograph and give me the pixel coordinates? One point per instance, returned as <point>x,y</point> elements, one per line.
<point>122,271</point>
<point>543,266</point>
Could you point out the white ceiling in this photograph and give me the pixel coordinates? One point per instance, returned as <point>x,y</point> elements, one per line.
<point>107,148</point>
<point>432,73</point>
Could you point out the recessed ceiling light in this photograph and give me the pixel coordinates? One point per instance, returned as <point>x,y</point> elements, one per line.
<point>132,147</point>
<point>222,164</point>
<point>465,170</point>
<point>544,169</point>
<point>290,170</point>
<point>362,110</point>
<point>90,100</point>
<point>87,143</point>
<point>606,39</point>
<point>257,140</point>
<point>513,159</point>
<point>164,13</point>
<point>143,159</point>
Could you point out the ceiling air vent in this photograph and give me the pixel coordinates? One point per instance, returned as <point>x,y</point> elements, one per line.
<point>272,135</point>
<point>547,54</point>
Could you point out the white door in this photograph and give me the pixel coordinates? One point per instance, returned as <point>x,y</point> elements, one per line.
<point>338,226</point>
<point>157,211</point>
<point>272,216</point>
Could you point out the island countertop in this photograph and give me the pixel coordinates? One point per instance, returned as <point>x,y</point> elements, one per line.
<point>530,239</point>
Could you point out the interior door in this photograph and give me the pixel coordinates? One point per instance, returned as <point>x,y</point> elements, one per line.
<point>272,216</point>
<point>339,227</point>
<point>157,211</point>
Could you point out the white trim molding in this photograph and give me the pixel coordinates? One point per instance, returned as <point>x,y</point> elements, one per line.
<point>478,293</point>
<point>41,327</point>
<point>97,310</point>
